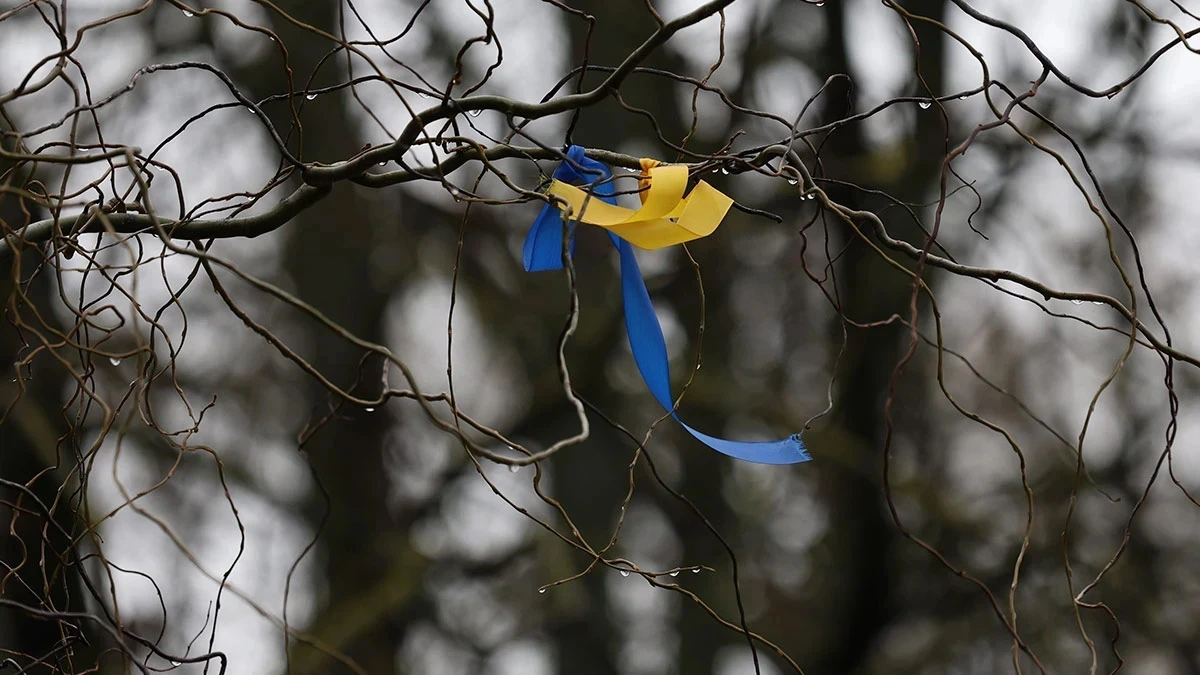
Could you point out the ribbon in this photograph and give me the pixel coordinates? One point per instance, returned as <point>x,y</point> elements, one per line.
<point>666,217</point>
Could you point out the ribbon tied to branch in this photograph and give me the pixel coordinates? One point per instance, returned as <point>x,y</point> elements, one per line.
<point>666,217</point>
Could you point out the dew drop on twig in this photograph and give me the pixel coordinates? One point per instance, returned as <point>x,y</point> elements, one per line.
<point>624,573</point>
<point>188,14</point>
<point>474,113</point>
<point>925,104</point>
<point>115,361</point>
<point>370,410</point>
<point>675,573</point>
<point>310,97</point>
<point>541,590</point>
<point>513,468</point>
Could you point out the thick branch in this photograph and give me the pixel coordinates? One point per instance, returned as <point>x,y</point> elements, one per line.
<point>129,223</point>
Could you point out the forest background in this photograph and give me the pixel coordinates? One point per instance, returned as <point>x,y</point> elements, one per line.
<point>240,237</point>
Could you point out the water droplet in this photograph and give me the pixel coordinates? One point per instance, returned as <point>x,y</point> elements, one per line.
<point>819,4</point>
<point>793,181</point>
<point>675,573</point>
<point>724,171</point>
<point>115,361</point>
<point>541,590</point>
<point>383,163</point>
<point>624,573</point>
<point>474,113</point>
<point>176,663</point>
<point>1076,302</point>
<point>964,97</point>
<point>188,14</point>
<point>811,195</point>
<point>513,468</point>
<point>925,104</point>
<point>698,366</point>
<point>1113,94</point>
<point>370,409</point>
<point>454,192</point>
<point>310,97</point>
<point>696,571</point>
<point>423,94</point>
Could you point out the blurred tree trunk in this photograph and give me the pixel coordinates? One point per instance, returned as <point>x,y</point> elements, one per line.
<point>29,455</point>
<point>366,554</point>
<point>590,478</point>
<point>858,600</point>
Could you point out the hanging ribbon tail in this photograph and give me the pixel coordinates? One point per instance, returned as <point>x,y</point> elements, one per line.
<point>650,352</point>
<point>543,245</point>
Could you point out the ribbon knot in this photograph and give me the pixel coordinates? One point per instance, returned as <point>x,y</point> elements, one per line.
<point>665,218</point>
<point>644,180</point>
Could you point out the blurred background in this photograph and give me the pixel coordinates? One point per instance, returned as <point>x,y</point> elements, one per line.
<point>1004,489</point>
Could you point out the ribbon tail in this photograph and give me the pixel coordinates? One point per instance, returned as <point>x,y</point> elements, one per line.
<point>542,250</point>
<point>641,323</point>
<point>650,353</point>
<point>790,450</point>
<point>543,245</point>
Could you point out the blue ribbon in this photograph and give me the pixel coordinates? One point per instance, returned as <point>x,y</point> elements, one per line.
<point>543,251</point>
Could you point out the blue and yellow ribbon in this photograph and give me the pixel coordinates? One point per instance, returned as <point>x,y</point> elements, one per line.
<point>666,217</point>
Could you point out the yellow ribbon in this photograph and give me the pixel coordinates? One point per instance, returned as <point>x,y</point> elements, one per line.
<point>666,216</point>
